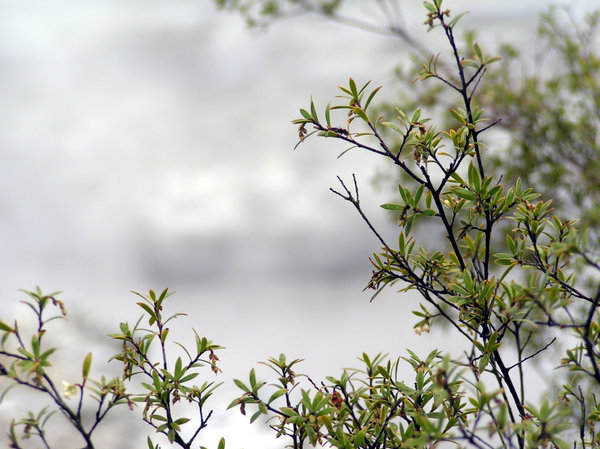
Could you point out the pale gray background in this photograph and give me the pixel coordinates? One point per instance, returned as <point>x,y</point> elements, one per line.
<point>148,144</point>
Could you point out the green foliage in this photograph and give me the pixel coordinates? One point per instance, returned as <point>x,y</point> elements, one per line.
<point>261,12</point>
<point>164,385</point>
<point>29,360</point>
<point>546,105</point>
<point>368,407</point>
<point>553,119</point>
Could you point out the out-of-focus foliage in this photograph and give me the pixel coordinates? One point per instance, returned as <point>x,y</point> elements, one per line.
<point>548,102</point>
<point>378,16</point>
<point>551,111</point>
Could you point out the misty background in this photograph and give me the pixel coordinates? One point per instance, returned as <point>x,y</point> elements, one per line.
<point>148,144</point>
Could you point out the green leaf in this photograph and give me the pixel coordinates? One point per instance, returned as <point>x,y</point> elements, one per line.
<point>362,90</point>
<point>394,127</point>
<point>188,377</point>
<point>5,327</point>
<point>464,193</point>
<point>392,206</point>
<point>178,368</point>
<point>405,194</point>
<point>287,411</point>
<point>492,60</point>
<point>241,385</point>
<point>35,345</point>
<point>359,112</point>
<point>470,63</point>
<point>474,178</point>
<point>277,394</point>
<point>409,222</point>
<point>455,177</point>
<point>160,418</point>
<point>124,328</point>
<point>429,6</point>
<point>418,194</point>
<point>455,20</point>
<point>328,115</point>
<point>458,116</point>
<point>147,308</point>
<point>306,115</point>
<point>313,111</point>
<point>477,50</point>
<point>416,116</point>
<point>343,89</point>
<point>512,245</point>
<point>371,97</point>
<point>483,363</point>
<point>87,363</point>
<point>297,419</point>
<point>401,243</point>
<point>181,421</point>
<point>353,90</point>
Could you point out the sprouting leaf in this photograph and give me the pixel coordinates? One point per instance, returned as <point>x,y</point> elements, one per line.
<point>416,116</point>
<point>87,363</point>
<point>163,334</point>
<point>483,362</point>
<point>353,90</point>
<point>464,193</point>
<point>470,63</point>
<point>277,394</point>
<point>418,195</point>
<point>371,97</point>
<point>477,50</point>
<point>306,114</point>
<point>458,116</point>
<point>392,206</point>
<point>455,20</point>
<point>313,111</point>
<point>241,385</point>
<point>409,222</point>
<point>394,127</point>
<point>492,60</point>
<point>429,7</point>
<point>358,111</point>
<point>5,327</point>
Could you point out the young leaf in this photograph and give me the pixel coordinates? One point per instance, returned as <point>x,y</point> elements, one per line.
<point>371,97</point>
<point>392,206</point>
<point>5,327</point>
<point>477,50</point>
<point>306,114</point>
<point>353,90</point>
<point>358,111</point>
<point>313,111</point>
<point>87,363</point>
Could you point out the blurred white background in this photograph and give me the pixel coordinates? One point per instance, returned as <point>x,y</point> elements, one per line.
<point>148,144</point>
